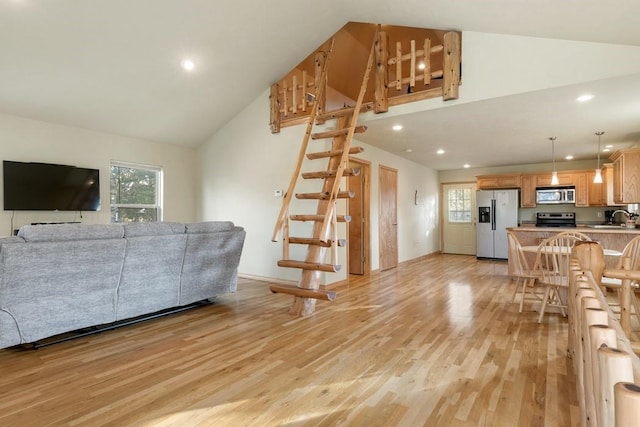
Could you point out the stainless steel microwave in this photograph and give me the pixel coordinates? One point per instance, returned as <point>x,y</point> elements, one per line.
<point>555,196</point>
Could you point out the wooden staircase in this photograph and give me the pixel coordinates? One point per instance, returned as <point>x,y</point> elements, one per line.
<point>324,232</point>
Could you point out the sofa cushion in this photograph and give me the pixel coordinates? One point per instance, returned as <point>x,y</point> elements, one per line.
<point>210,264</point>
<point>210,227</point>
<point>137,229</point>
<point>67,232</point>
<point>10,239</point>
<point>150,279</point>
<point>52,287</point>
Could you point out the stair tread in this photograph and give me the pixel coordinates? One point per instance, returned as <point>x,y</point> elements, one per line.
<point>337,132</point>
<point>316,242</point>
<point>330,173</point>
<point>346,111</point>
<point>324,154</point>
<point>325,195</point>
<point>318,218</point>
<point>303,292</point>
<point>332,268</point>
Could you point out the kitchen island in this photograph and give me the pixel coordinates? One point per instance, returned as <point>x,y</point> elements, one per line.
<point>610,238</point>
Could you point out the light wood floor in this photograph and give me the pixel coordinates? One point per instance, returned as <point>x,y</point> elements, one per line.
<point>434,342</point>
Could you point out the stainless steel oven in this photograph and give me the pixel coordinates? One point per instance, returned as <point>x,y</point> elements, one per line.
<point>555,219</point>
<point>555,195</point>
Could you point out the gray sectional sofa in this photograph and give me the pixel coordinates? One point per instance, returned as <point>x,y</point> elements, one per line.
<point>57,278</point>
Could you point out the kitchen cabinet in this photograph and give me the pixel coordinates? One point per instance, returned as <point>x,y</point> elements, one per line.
<point>582,188</point>
<point>485,182</point>
<point>528,191</point>
<point>602,194</point>
<point>626,176</point>
<point>607,178</point>
<point>597,192</point>
<point>564,178</point>
<point>587,193</point>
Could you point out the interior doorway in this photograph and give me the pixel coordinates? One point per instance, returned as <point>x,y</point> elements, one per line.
<point>388,218</point>
<point>359,229</point>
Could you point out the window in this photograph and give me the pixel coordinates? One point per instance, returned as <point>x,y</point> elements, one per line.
<point>136,192</point>
<point>460,205</point>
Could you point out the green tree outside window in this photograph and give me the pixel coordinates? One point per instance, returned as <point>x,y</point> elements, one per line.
<point>135,193</point>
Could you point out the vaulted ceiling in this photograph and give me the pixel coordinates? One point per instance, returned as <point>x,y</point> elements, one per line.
<point>114,65</point>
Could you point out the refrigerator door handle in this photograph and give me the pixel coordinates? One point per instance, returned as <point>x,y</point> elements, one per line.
<point>493,214</point>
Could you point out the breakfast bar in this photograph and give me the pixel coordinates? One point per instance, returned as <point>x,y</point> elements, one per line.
<point>611,238</point>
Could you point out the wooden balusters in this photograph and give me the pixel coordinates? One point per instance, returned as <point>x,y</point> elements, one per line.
<point>409,69</point>
<point>603,356</point>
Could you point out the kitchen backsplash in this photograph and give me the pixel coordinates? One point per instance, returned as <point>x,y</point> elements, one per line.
<point>583,215</point>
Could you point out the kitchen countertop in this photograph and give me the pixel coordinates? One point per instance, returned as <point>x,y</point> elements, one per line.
<point>583,228</point>
<point>610,238</point>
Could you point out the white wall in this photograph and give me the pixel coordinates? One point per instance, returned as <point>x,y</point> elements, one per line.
<point>27,140</point>
<point>244,163</point>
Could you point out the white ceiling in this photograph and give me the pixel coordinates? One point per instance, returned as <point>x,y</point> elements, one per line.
<point>515,129</point>
<point>114,66</point>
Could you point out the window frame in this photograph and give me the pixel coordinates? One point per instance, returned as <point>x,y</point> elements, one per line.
<point>470,202</point>
<point>158,206</point>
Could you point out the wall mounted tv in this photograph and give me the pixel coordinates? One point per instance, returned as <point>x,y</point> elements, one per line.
<point>50,187</point>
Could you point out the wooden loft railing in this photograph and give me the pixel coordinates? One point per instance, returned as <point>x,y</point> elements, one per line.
<point>396,79</point>
<point>600,345</point>
<point>448,70</point>
<point>294,99</point>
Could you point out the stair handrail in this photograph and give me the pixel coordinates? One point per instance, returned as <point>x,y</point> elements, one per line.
<point>303,148</point>
<point>347,145</point>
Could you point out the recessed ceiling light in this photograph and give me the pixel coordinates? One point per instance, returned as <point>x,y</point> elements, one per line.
<point>397,127</point>
<point>584,98</point>
<point>569,157</point>
<point>466,165</point>
<point>606,150</point>
<point>188,65</point>
<point>421,66</point>
<point>408,150</point>
<point>440,151</point>
<point>608,146</point>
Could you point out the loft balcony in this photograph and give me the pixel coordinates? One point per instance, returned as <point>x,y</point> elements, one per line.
<point>411,64</point>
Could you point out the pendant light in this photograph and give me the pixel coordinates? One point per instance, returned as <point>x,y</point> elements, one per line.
<point>554,175</point>
<point>598,178</point>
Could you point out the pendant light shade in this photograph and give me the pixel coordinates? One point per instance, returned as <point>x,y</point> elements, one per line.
<point>597,179</point>
<point>554,175</point>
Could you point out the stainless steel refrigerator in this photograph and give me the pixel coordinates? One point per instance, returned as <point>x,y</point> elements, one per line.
<point>497,210</point>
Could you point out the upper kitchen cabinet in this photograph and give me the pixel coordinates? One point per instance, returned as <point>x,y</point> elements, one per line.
<point>489,182</point>
<point>582,188</point>
<point>597,192</point>
<point>528,191</point>
<point>626,176</point>
<point>564,178</point>
<point>602,194</point>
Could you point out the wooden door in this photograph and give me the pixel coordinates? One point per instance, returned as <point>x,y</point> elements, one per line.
<point>458,218</point>
<point>388,217</point>
<point>358,228</point>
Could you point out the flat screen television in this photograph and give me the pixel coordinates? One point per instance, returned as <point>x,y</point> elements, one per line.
<point>50,187</point>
